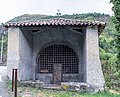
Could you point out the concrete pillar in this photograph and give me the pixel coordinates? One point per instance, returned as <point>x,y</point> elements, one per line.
<point>13,50</point>
<point>83,59</point>
<point>19,53</point>
<point>25,54</point>
<point>94,75</point>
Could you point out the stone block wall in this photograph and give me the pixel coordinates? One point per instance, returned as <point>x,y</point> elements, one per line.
<point>94,75</point>
<point>24,47</point>
<point>25,54</point>
<point>19,53</point>
<point>56,35</point>
<point>13,50</point>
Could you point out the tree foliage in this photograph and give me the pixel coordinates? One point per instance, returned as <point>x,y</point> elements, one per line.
<point>108,55</point>
<point>85,16</point>
<point>116,20</point>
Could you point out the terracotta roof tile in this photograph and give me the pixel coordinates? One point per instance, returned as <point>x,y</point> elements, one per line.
<point>55,22</point>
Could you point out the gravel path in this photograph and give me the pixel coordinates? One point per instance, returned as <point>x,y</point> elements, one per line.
<point>3,81</point>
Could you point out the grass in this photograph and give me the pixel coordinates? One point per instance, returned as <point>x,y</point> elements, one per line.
<point>74,94</point>
<point>34,92</point>
<point>47,93</point>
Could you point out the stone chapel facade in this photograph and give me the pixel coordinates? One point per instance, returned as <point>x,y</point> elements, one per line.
<point>50,49</point>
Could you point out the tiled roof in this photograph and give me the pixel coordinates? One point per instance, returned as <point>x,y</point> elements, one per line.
<point>56,22</point>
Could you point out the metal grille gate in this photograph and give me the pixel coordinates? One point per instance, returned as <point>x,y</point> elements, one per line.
<point>57,54</point>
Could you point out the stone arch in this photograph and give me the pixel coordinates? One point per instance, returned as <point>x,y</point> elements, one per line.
<point>57,53</point>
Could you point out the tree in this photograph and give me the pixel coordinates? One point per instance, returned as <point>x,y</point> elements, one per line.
<point>108,56</point>
<point>116,20</point>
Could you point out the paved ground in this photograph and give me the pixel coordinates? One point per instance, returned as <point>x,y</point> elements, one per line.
<point>3,82</point>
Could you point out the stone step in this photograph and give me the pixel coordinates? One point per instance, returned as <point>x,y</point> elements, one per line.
<point>52,86</point>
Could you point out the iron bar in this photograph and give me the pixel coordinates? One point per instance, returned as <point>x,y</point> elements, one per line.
<point>12,80</point>
<point>1,53</point>
<point>15,91</point>
<point>58,54</point>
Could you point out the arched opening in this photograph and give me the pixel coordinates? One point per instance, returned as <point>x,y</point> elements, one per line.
<point>58,54</point>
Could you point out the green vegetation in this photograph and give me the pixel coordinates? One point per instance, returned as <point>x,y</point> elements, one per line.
<point>108,55</point>
<point>35,92</point>
<point>74,94</point>
<point>116,20</point>
<point>48,93</point>
<point>88,16</point>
